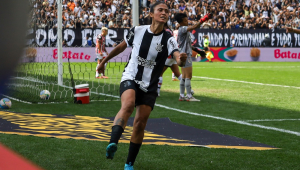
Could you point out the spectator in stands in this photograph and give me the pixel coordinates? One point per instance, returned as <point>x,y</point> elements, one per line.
<point>71,5</point>
<point>71,24</point>
<point>182,6</point>
<point>96,8</point>
<point>104,20</point>
<point>271,25</point>
<point>77,9</point>
<point>141,20</point>
<point>237,14</point>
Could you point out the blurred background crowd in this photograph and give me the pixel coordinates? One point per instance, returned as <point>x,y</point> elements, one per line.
<point>227,14</point>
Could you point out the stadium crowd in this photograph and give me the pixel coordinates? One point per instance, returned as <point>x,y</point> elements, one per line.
<point>227,14</point>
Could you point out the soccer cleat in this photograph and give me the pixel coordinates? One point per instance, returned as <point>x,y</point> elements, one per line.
<point>191,99</point>
<point>110,150</point>
<point>181,98</point>
<point>104,77</point>
<point>175,79</point>
<point>99,77</point>
<point>128,166</point>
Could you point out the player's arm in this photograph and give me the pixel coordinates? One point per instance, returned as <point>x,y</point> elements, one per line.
<point>291,30</point>
<point>202,20</point>
<point>117,50</point>
<point>172,47</point>
<point>180,58</point>
<point>100,46</point>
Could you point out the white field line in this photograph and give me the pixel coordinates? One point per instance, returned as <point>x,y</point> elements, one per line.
<point>270,120</point>
<point>12,98</point>
<point>247,82</point>
<point>224,119</point>
<point>231,120</point>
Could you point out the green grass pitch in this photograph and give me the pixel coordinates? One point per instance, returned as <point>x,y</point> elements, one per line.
<point>240,91</point>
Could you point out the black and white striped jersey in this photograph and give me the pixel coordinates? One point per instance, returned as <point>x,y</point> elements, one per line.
<point>148,56</point>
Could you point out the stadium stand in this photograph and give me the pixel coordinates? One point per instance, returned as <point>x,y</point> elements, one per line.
<point>234,14</point>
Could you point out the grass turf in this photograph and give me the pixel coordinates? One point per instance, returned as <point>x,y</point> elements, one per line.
<point>227,99</point>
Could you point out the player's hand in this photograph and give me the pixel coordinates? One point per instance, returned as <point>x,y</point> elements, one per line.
<point>100,68</point>
<point>182,58</point>
<point>289,29</point>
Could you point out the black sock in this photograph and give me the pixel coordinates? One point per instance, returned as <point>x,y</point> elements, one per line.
<point>116,133</point>
<point>133,152</point>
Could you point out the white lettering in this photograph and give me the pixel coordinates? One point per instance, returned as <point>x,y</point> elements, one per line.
<point>272,39</point>
<point>220,39</point>
<point>40,33</point>
<point>67,33</point>
<point>84,34</point>
<point>226,39</point>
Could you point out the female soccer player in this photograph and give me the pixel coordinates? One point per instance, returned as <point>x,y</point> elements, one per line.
<point>101,52</point>
<point>151,47</point>
<point>185,45</point>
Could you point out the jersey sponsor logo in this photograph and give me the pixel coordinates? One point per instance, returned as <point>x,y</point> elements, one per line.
<point>146,63</point>
<point>159,47</point>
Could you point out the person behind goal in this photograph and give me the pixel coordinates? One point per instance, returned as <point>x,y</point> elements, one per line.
<point>151,46</point>
<point>101,52</point>
<point>185,46</point>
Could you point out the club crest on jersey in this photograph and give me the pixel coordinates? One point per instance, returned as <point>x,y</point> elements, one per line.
<point>159,47</point>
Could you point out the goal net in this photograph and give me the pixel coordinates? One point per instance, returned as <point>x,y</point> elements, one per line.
<point>38,71</point>
<point>38,68</point>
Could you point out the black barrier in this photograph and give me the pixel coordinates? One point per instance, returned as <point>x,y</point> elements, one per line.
<point>219,38</point>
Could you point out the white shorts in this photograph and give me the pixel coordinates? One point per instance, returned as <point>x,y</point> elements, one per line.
<point>104,54</point>
<point>170,61</point>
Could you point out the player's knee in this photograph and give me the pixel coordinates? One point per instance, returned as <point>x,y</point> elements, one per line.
<point>128,107</point>
<point>140,124</point>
